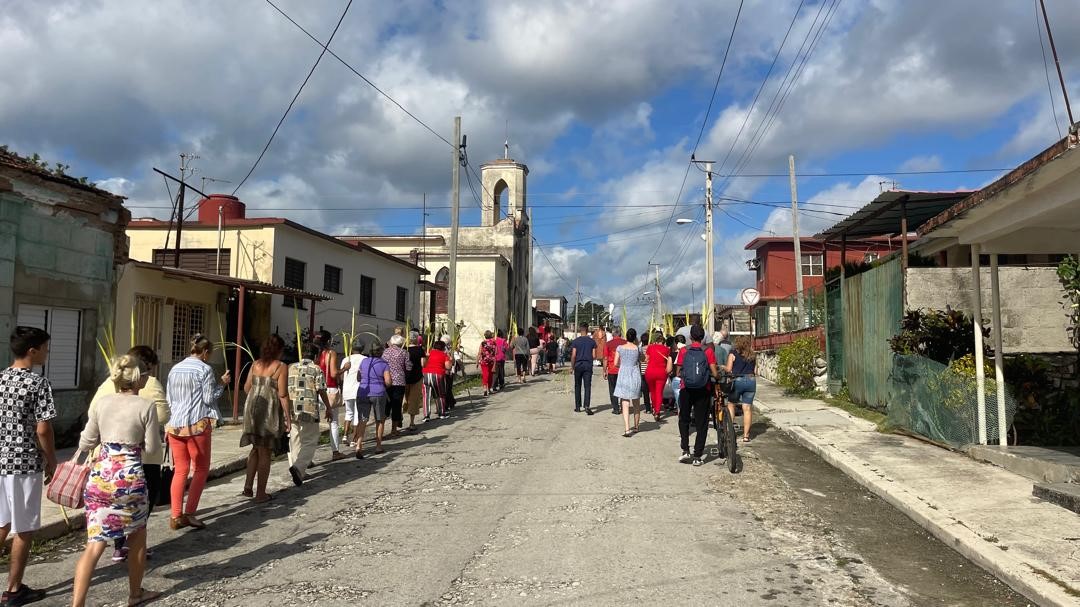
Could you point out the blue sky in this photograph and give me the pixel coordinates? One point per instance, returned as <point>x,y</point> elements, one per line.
<point>604,103</point>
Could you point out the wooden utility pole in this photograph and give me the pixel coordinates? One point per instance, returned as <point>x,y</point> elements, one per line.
<point>798,245</point>
<point>709,292</point>
<point>455,223</point>
<point>577,308</point>
<point>659,302</point>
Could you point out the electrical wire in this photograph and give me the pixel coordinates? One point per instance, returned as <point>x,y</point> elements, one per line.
<point>1046,69</point>
<point>325,48</point>
<point>701,131</point>
<point>362,77</point>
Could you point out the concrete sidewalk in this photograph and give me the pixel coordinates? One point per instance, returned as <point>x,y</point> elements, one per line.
<point>984,512</point>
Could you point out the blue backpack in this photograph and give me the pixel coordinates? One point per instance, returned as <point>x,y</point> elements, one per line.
<point>695,368</point>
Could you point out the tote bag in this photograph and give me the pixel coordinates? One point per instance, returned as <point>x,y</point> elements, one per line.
<point>69,483</point>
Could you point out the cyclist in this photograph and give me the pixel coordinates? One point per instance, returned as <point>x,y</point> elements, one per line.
<point>696,366</point>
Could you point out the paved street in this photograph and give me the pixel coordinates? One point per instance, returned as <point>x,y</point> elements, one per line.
<point>517,500</point>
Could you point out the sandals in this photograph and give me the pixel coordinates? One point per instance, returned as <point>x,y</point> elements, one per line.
<point>746,439</point>
<point>269,497</point>
<point>193,522</point>
<point>379,450</point>
<point>627,434</point>
<point>145,596</point>
<point>247,492</point>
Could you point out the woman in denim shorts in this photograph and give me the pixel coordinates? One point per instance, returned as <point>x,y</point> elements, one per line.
<point>742,365</point>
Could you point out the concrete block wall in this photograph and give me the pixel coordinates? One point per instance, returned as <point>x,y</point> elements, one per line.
<point>57,260</point>
<point>1032,316</point>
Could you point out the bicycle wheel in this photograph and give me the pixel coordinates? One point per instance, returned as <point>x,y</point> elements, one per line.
<point>720,452</point>
<point>729,441</point>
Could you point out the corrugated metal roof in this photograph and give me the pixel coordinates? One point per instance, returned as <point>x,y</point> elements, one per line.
<point>884,214</point>
<point>230,281</point>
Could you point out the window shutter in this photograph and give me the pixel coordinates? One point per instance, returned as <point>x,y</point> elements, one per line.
<point>63,365</point>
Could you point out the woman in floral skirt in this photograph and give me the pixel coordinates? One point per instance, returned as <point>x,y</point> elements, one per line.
<point>116,493</point>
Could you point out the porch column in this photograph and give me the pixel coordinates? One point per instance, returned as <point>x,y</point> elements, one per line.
<point>311,321</point>
<point>904,250</point>
<point>976,315</point>
<point>999,356</point>
<point>236,358</point>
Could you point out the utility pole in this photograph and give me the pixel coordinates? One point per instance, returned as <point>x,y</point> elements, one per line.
<point>455,223</point>
<point>798,245</point>
<point>184,168</point>
<point>659,304</point>
<point>577,308</point>
<point>709,303</point>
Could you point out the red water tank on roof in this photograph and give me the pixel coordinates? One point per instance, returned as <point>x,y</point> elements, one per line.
<point>231,208</point>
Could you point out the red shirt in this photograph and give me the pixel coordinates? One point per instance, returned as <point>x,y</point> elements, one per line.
<point>710,353</point>
<point>612,345</point>
<point>330,374</point>
<point>657,355</point>
<point>436,362</point>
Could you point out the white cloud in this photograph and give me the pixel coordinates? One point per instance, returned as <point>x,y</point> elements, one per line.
<point>923,163</point>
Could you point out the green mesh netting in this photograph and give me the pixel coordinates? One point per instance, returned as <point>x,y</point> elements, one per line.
<point>932,400</point>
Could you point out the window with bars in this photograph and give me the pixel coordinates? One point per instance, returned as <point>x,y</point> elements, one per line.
<point>367,295</point>
<point>402,307</point>
<point>294,279</point>
<point>189,320</point>
<point>812,265</point>
<point>331,279</point>
<point>147,321</point>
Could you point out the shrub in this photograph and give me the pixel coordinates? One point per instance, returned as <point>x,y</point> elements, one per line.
<point>795,364</point>
<point>940,335</point>
<point>1068,272</point>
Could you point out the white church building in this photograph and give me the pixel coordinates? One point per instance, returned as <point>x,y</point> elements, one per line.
<point>494,260</point>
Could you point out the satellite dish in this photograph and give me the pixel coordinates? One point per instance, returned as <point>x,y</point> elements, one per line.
<point>749,297</point>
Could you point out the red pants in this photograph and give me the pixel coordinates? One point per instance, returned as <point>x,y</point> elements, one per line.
<point>186,451</point>
<point>656,380</point>
<point>486,375</point>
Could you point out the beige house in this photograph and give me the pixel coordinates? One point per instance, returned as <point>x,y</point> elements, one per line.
<point>380,288</point>
<point>494,261</point>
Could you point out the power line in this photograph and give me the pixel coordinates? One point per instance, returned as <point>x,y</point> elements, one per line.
<point>701,131</point>
<point>295,97</point>
<point>1046,69</point>
<point>761,88</point>
<point>361,76</point>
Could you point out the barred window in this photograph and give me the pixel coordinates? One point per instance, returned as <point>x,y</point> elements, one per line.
<point>294,279</point>
<point>331,279</point>
<point>402,307</point>
<point>367,295</point>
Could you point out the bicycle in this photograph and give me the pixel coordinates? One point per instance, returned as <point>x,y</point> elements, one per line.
<point>726,443</point>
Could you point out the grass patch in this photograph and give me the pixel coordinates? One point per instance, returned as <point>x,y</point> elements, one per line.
<point>470,383</point>
<point>876,417</point>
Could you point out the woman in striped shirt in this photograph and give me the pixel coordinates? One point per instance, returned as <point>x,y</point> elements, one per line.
<point>193,394</point>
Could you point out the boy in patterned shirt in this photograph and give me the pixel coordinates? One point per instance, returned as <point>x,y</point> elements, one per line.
<point>307,386</point>
<point>27,453</point>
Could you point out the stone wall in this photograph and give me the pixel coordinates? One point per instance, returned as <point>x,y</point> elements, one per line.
<point>1032,316</point>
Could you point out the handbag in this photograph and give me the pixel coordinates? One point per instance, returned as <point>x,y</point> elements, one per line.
<point>164,496</point>
<point>69,483</point>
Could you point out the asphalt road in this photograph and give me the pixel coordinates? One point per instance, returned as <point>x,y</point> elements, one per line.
<point>519,501</point>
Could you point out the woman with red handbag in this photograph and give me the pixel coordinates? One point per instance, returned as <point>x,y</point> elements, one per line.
<point>117,503</point>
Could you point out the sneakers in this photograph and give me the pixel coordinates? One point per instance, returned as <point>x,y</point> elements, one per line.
<point>23,596</point>
<point>120,555</point>
<point>589,411</point>
<point>684,458</point>
<point>698,461</point>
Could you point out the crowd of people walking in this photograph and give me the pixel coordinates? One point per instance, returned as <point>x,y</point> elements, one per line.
<point>136,424</point>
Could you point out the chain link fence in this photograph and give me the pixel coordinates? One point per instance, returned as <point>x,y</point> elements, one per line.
<point>940,403</point>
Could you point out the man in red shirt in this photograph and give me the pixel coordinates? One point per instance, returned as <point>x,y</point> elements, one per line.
<point>610,368</point>
<point>696,365</point>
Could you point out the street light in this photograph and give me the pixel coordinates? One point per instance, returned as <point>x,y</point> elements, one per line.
<point>684,221</point>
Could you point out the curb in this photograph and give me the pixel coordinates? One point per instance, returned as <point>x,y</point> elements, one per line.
<point>1014,572</point>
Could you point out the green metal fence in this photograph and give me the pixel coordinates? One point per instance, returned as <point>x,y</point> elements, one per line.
<point>872,308</point>
<point>834,333</point>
